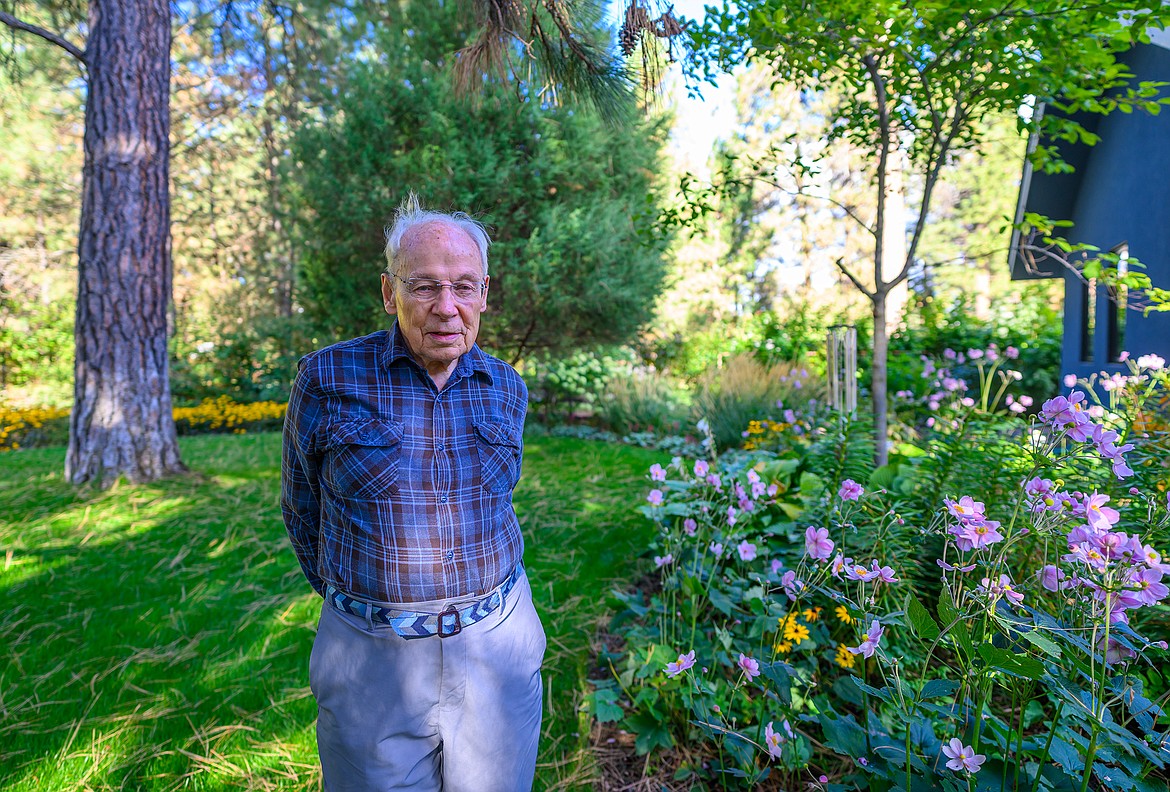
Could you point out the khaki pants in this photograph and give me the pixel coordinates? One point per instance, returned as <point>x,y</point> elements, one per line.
<point>459,714</point>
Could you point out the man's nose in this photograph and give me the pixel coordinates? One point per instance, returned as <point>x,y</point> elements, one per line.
<point>444,304</point>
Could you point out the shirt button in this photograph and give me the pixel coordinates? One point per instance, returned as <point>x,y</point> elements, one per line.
<point>450,554</point>
<point>440,447</point>
<point>442,499</point>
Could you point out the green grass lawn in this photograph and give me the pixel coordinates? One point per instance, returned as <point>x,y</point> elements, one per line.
<point>157,636</point>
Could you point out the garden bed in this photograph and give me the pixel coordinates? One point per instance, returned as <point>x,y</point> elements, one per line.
<point>985,612</point>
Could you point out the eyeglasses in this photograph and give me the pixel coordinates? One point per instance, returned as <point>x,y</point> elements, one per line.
<point>426,289</point>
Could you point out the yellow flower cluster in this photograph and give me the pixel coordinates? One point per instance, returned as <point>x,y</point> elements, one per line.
<point>844,657</point>
<point>216,415</point>
<point>24,425</point>
<point>757,432</point>
<point>49,425</point>
<point>759,427</point>
<point>792,632</point>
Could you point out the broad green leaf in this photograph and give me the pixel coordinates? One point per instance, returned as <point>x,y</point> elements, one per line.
<point>1042,642</point>
<point>921,620</point>
<point>956,628</point>
<point>909,451</point>
<point>647,697</point>
<point>1017,665</point>
<point>843,735</point>
<point>1066,756</point>
<point>882,693</point>
<point>937,688</point>
<point>883,477</point>
<point>724,637</point>
<point>649,740</point>
<point>779,673</point>
<point>1113,777</point>
<point>720,601</point>
<point>604,705</point>
<point>792,510</point>
<point>845,688</point>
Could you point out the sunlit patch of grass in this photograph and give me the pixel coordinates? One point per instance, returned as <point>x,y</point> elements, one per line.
<point>157,636</point>
<point>582,537</point>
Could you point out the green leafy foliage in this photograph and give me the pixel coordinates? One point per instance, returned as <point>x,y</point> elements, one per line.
<point>557,187</point>
<point>982,619</point>
<point>916,84</point>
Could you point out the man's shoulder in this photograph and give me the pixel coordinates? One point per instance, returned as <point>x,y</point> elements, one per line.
<point>352,351</point>
<point>502,373</point>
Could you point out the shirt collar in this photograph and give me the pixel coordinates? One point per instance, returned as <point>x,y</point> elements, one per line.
<point>474,361</point>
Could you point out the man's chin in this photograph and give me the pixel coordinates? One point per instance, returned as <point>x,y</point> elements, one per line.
<point>448,351</point>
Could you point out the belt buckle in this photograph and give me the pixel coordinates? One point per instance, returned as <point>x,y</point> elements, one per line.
<point>458,626</point>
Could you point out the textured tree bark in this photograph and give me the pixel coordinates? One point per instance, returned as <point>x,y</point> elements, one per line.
<point>121,422</point>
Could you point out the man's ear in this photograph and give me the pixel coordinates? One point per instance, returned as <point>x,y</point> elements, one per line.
<point>388,294</point>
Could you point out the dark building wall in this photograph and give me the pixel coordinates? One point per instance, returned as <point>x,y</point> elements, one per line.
<point>1122,196</point>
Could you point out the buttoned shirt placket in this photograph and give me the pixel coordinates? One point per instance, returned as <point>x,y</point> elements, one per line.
<point>444,477</point>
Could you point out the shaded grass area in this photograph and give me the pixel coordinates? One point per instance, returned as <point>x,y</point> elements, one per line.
<point>157,636</point>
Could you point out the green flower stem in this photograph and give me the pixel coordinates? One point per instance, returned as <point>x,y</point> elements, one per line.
<point>980,701</point>
<point>909,709</point>
<point>865,705</point>
<point>706,594</point>
<point>1098,691</point>
<point>1048,745</point>
<point>1019,742</point>
<point>1003,387</point>
<point>984,385</point>
<point>1089,759</point>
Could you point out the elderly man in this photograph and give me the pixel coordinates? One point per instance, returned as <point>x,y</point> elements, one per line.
<point>401,450</point>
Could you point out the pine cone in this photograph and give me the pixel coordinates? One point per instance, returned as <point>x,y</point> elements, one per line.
<point>636,21</point>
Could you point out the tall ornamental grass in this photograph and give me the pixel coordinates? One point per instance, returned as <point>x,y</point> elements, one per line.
<point>743,389</point>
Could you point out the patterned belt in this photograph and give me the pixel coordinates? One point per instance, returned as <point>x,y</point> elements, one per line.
<point>414,624</point>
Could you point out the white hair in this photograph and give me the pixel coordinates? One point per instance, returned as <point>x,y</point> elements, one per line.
<point>411,215</point>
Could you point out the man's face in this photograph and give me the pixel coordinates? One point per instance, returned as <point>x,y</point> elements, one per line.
<point>440,330</point>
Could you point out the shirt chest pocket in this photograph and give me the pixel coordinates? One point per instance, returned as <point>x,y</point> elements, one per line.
<point>498,446</point>
<point>363,458</point>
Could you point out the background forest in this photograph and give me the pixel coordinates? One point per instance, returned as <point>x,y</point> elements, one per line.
<point>296,129</point>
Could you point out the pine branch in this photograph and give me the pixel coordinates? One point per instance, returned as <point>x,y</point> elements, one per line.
<point>47,35</point>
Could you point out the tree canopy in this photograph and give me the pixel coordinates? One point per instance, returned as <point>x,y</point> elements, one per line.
<point>916,81</point>
<point>559,188</point>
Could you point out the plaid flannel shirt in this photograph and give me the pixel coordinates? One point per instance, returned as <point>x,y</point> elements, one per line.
<point>393,491</point>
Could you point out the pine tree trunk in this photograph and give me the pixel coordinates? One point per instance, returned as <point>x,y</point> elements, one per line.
<point>121,422</point>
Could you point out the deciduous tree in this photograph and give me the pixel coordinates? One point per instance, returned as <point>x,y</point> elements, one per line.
<point>918,78</point>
